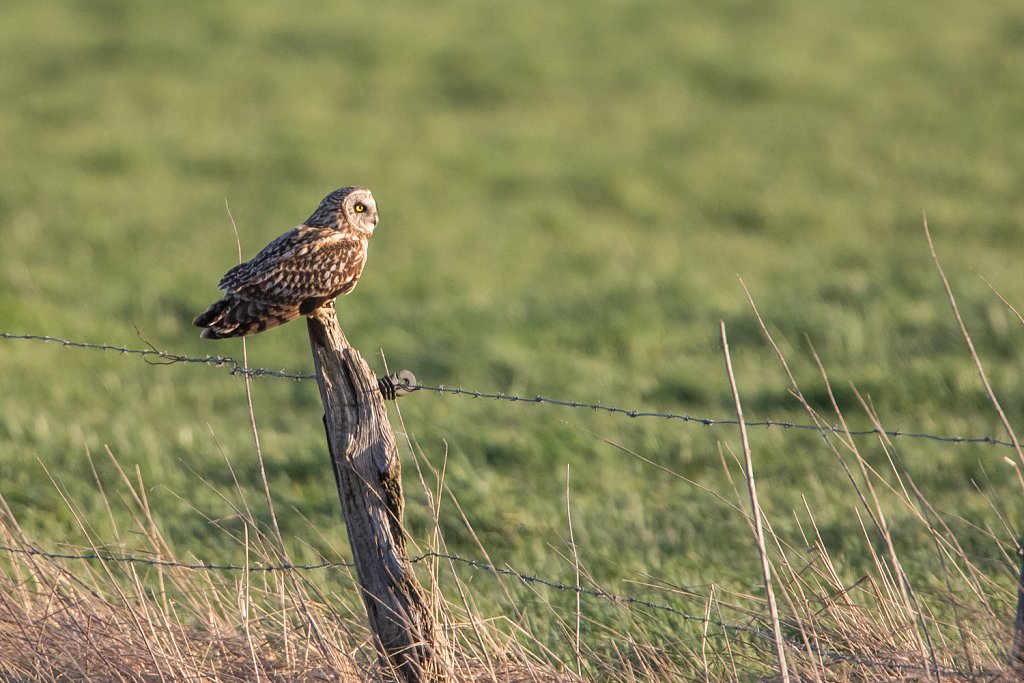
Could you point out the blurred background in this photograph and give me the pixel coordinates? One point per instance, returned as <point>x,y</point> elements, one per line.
<point>569,194</point>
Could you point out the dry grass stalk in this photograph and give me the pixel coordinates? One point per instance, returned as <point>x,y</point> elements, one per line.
<point>755,506</point>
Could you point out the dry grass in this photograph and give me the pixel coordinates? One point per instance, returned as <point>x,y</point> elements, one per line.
<point>101,620</point>
<point>96,620</point>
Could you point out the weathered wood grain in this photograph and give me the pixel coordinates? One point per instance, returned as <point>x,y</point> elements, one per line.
<point>368,474</point>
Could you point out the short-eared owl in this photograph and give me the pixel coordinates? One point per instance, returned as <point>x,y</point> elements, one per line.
<point>299,272</point>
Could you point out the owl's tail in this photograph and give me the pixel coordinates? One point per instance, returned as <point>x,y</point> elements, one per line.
<point>235,317</point>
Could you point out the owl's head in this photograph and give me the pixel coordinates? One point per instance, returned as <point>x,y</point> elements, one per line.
<point>348,208</point>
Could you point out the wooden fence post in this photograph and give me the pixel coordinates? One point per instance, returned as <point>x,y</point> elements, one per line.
<point>368,474</point>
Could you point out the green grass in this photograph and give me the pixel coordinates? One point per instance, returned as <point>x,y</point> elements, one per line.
<point>569,195</point>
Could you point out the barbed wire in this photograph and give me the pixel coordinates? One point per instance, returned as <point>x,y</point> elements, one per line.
<point>475,564</point>
<point>237,368</point>
<point>155,562</point>
<point>614,598</point>
<point>710,422</point>
<point>234,366</point>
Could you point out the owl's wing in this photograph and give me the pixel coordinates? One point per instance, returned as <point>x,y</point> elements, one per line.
<point>303,263</point>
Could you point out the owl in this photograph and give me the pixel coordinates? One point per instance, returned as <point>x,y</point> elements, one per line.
<point>298,272</point>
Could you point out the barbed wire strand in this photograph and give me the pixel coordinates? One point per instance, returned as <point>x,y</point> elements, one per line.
<point>710,422</point>
<point>614,598</point>
<point>475,564</point>
<point>237,368</point>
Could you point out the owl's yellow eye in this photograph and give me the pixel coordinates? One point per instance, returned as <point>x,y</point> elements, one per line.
<point>360,207</point>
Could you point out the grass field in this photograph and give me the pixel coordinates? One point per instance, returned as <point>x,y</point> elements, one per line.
<point>570,194</point>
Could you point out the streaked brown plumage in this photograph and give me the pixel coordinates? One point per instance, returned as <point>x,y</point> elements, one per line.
<point>298,272</point>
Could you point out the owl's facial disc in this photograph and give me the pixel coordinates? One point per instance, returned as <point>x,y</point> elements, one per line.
<point>363,212</point>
